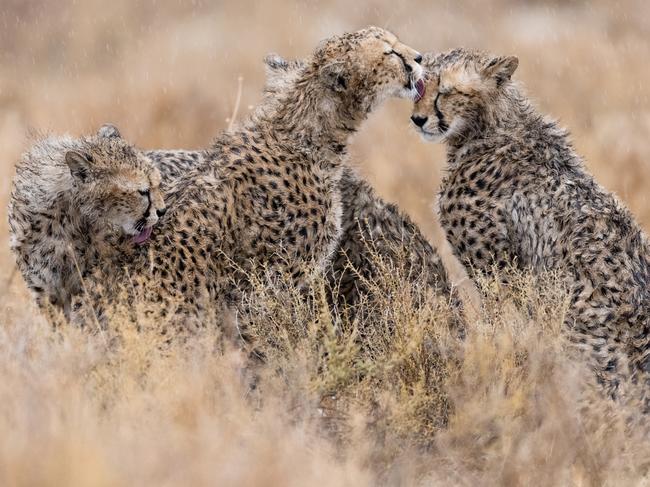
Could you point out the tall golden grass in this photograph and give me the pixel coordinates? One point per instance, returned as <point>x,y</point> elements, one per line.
<point>399,399</point>
<point>403,398</point>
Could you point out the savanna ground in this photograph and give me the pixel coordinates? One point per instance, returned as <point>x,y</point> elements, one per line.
<point>336,403</point>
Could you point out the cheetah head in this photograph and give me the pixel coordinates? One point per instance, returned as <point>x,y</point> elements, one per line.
<point>363,68</point>
<point>463,90</point>
<point>116,184</point>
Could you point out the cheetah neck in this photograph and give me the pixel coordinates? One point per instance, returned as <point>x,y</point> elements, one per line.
<point>73,225</point>
<point>309,118</point>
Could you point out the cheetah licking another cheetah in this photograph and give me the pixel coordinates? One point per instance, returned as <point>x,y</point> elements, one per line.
<point>371,228</point>
<point>517,193</point>
<point>266,196</point>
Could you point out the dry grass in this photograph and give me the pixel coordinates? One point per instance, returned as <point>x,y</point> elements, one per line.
<point>400,399</point>
<point>397,399</point>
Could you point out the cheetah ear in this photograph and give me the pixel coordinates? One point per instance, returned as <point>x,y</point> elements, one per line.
<point>275,62</point>
<point>108,130</point>
<point>501,68</point>
<point>79,164</point>
<point>279,71</point>
<point>335,77</point>
<point>276,71</point>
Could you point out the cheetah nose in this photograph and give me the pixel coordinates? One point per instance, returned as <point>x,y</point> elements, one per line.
<point>418,58</point>
<point>419,121</point>
<point>160,212</point>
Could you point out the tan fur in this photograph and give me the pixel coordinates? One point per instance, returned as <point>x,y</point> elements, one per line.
<point>76,202</point>
<point>265,198</point>
<point>371,228</point>
<point>516,194</point>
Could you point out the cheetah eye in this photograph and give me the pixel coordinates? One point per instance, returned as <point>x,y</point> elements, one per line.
<point>144,192</point>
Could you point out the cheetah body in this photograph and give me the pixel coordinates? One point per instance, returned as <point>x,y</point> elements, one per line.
<point>265,197</point>
<point>371,228</point>
<point>517,194</point>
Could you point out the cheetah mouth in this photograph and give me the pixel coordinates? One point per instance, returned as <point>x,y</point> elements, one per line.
<point>429,134</point>
<point>143,236</point>
<point>432,136</point>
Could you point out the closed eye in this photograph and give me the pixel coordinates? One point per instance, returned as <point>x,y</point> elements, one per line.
<point>406,65</point>
<point>144,192</point>
<point>392,51</point>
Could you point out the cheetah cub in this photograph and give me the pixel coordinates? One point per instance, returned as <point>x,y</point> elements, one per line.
<point>516,193</point>
<point>75,202</point>
<point>266,195</point>
<point>371,228</point>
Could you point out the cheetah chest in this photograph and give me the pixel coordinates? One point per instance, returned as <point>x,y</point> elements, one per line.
<point>472,208</point>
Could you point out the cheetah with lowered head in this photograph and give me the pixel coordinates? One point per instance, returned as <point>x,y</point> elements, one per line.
<point>517,193</point>
<point>266,195</point>
<point>74,203</point>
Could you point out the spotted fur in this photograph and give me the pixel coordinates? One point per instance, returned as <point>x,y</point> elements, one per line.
<point>75,202</point>
<point>265,197</point>
<point>371,228</point>
<point>374,231</point>
<point>516,193</point>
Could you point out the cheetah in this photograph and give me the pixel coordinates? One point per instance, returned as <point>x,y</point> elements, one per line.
<point>373,229</point>
<point>75,202</point>
<point>517,194</point>
<point>265,198</point>
<point>367,220</point>
<point>370,227</point>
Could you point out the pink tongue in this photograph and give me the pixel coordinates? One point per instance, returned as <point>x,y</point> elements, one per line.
<point>419,87</point>
<point>143,236</point>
